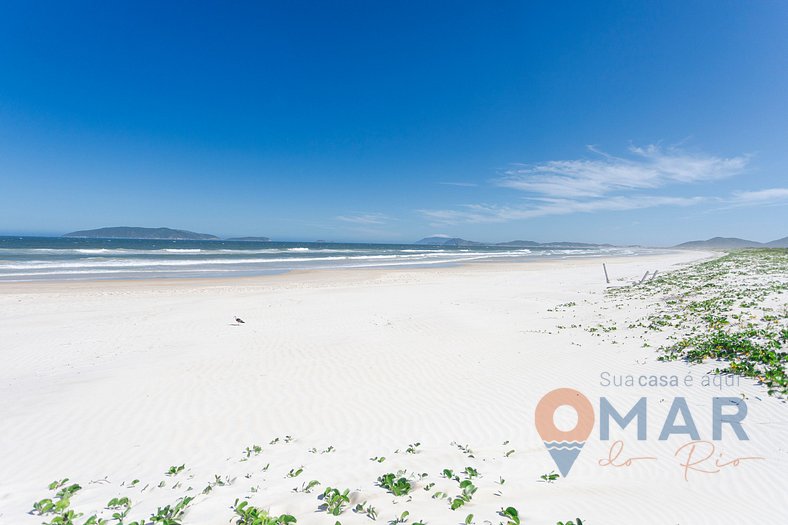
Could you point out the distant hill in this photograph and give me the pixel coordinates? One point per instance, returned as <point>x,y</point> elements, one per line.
<point>447,241</point>
<point>526,244</point>
<point>456,241</point>
<point>723,243</point>
<point>437,241</point>
<point>518,244</point>
<point>126,232</point>
<point>779,243</point>
<point>249,239</point>
<point>461,242</point>
<point>575,245</point>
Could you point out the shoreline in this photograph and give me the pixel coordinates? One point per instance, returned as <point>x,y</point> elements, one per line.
<point>52,260</point>
<point>341,272</point>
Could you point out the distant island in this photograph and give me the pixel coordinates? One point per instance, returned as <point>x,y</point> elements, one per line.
<point>126,232</point>
<point>456,241</point>
<point>716,243</point>
<point>562,244</point>
<point>249,239</point>
<point>722,243</point>
<point>447,241</point>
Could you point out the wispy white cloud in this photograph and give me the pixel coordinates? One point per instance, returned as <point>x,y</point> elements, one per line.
<point>602,183</point>
<point>365,218</point>
<point>768,196</point>
<point>646,168</point>
<point>481,213</point>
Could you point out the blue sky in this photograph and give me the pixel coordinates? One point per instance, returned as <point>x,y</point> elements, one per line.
<point>623,122</point>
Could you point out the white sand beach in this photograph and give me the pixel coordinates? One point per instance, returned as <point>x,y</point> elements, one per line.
<point>109,382</point>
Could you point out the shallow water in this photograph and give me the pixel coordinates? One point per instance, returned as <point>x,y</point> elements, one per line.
<point>58,258</point>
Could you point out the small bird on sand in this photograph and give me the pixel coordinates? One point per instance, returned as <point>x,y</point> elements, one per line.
<point>239,320</point>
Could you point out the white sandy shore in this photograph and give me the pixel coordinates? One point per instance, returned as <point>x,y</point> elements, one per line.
<point>109,382</point>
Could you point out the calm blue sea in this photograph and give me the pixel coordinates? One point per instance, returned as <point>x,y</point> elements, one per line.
<point>57,258</point>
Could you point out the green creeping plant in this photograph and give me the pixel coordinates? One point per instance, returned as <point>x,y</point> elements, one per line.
<point>287,439</point>
<point>174,471</point>
<point>719,313</point>
<point>403,518</point>
<point>511,514</point>
<point>294,473</point>
<point>122,506</point>
<point>169,514</point>
<point>465,449</point>
<point>219,482</point>
<point>399,486</point>
<point>250,515</point>
<point>67,492</point>
<point>577,521</point>
<point>468,490</point>
<point>307,487</point>
<point>367,510</point>
<point>44,506</point>
<point>253,450</point>
<point>68,518</point>
<point>471,472</point>
<point>59,507</point>
<point>334,502</point>
<point>449,474</point>
<point>58,483</point>
<point>456,503</point>
<point>549,478</point>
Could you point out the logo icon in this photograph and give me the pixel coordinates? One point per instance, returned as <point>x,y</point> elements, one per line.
<point>564,446</point>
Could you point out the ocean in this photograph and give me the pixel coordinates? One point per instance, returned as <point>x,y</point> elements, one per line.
<point>59,258</point>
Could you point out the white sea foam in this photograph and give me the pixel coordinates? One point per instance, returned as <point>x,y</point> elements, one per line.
<point>19,263</point>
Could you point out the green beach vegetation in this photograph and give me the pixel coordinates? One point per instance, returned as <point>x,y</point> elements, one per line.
<point>731,310</point>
